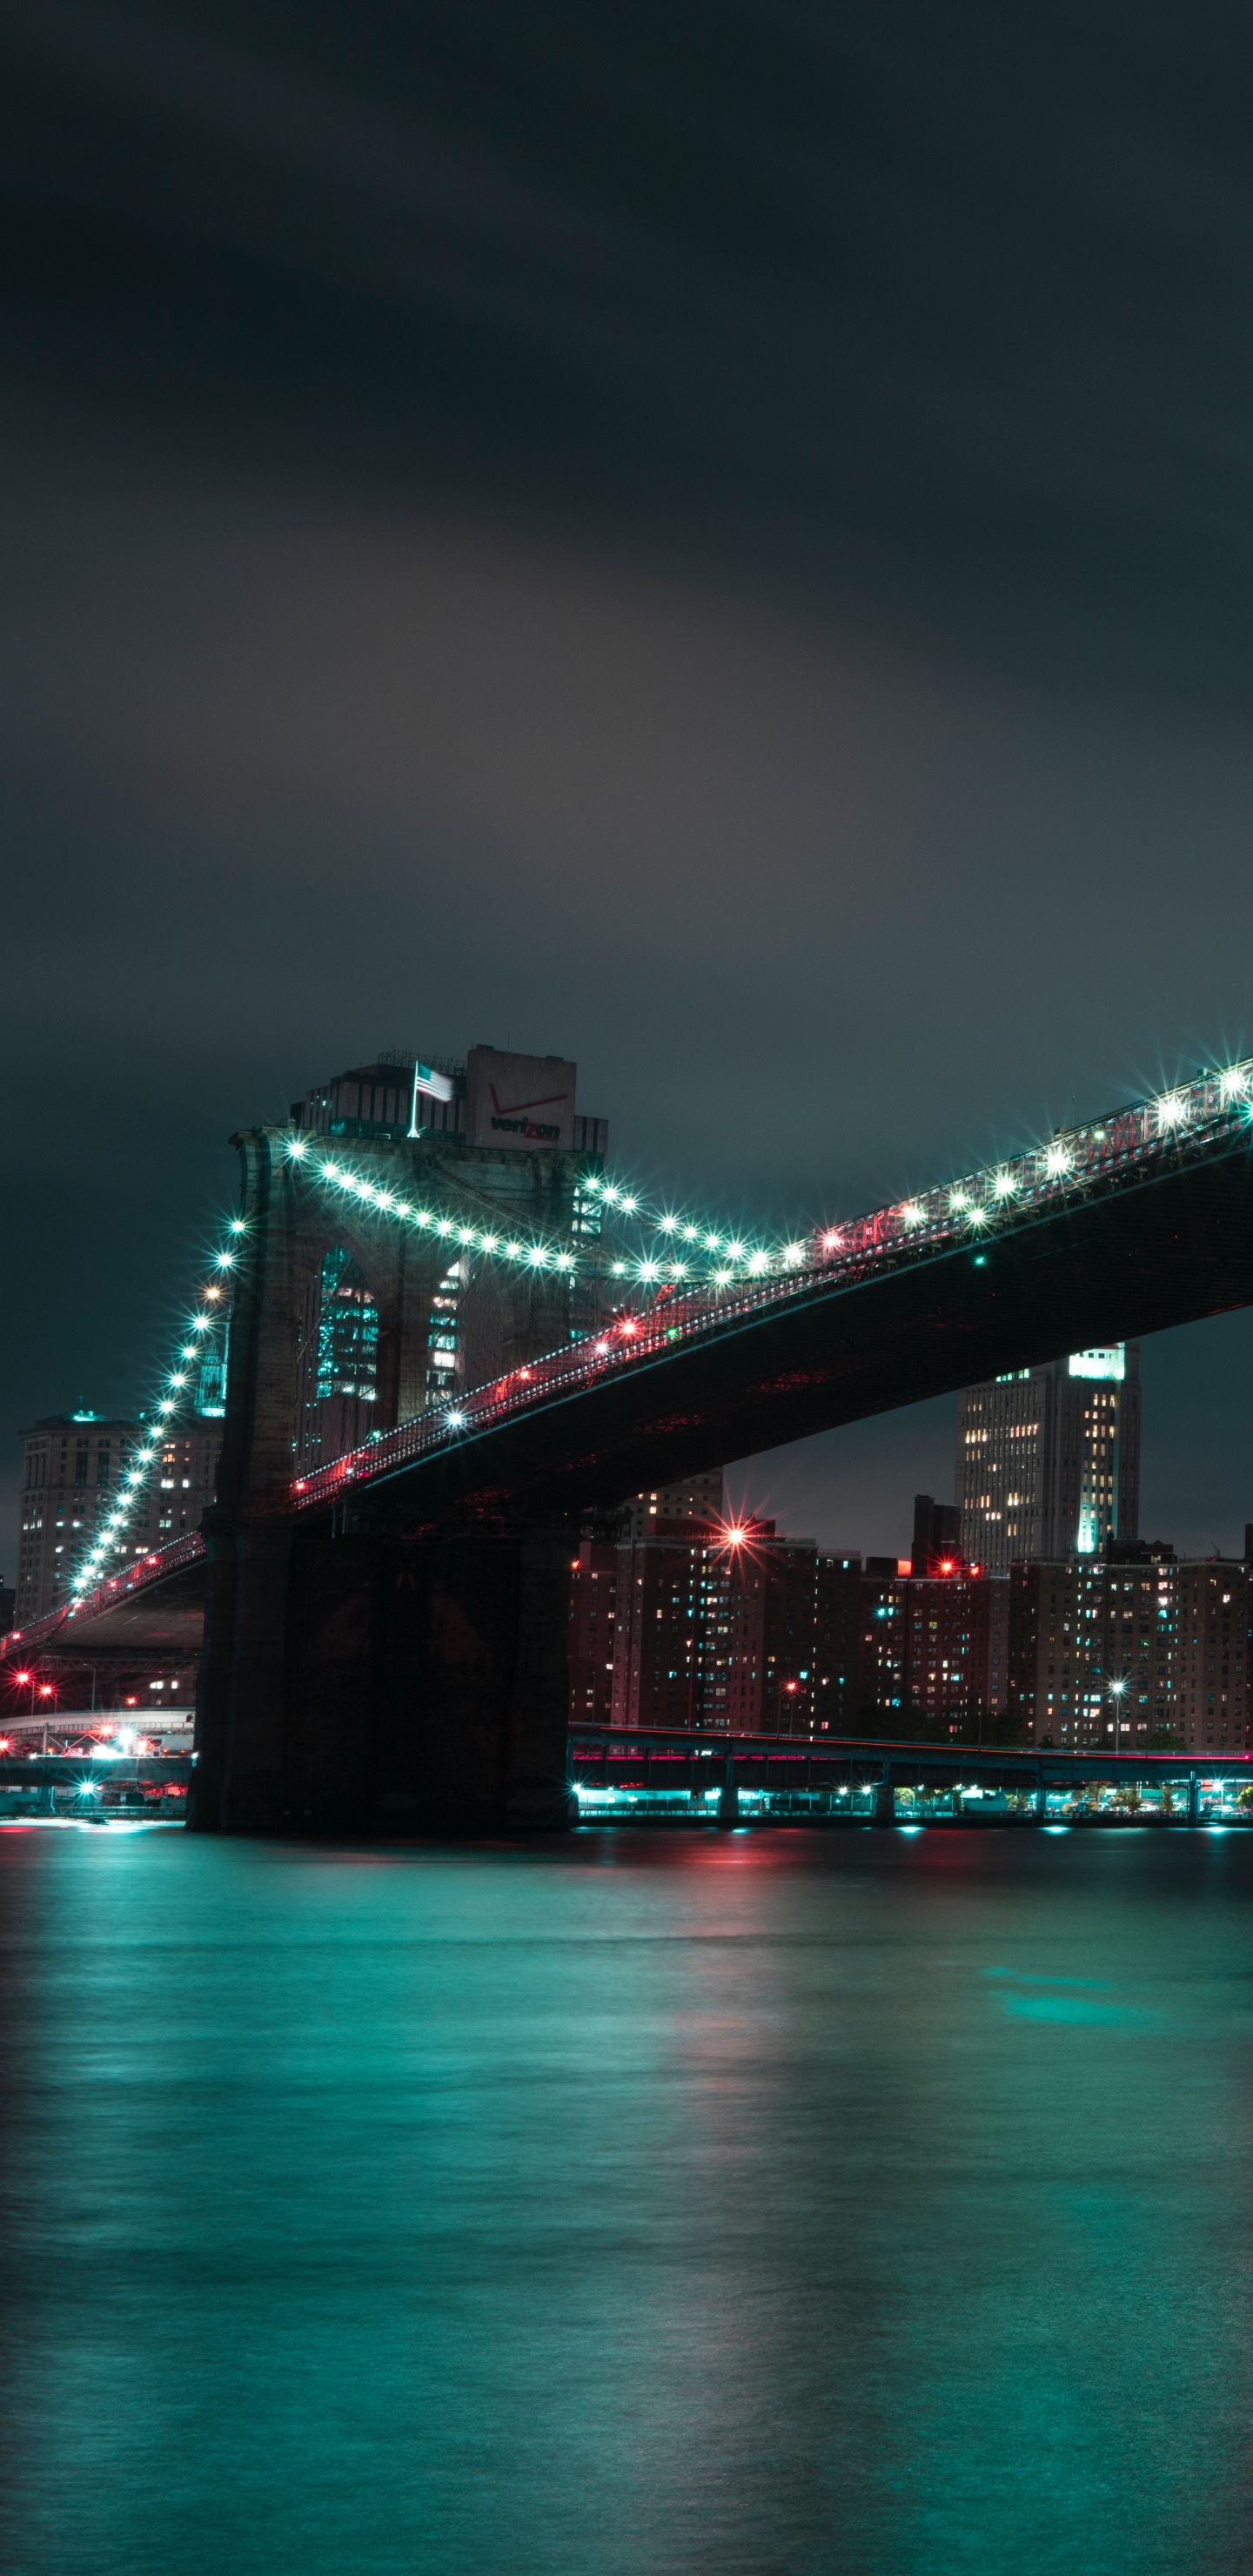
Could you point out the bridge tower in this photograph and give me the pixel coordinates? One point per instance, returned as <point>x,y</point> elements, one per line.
<point>360,1675</point>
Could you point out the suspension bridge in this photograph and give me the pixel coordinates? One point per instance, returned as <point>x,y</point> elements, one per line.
<point>384,1629</point>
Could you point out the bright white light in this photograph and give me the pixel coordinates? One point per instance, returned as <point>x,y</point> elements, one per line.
<point>911,1214</point>
<point>444,1225</point>
<point>722,1278</point>
<point>678,1269</point>
<point>691,1234</point>
<point>737,1250</point>
<point>225,1260</point>
<point>423,1217</point>
<point>538,1257</point>
<point>1233,1084</point>
<point>667,1225</point>
<point>297,1149</point>
<point>200,1323</point>
<point>239,1225</point>
<point>1172,1110</point>
<point>978,1216</point>
<point>188,1351</point>
<point>1004,1184</point>
<point>563,1261</point>
<point>958,1200</point>
<point>628,1205</point>
<point>713,1243</point>
<point>514,1250</point>
<point>610,1194</point>
<point>650,1270</point>
<point>757,1262</point>
<point>793,1255</point>
<point>490,1242</point>
<point>176,1380</point>
<point>1057,1160</point>
<point>455,1421</point>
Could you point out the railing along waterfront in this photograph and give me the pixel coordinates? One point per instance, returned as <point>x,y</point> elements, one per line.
<point>643,1777</point>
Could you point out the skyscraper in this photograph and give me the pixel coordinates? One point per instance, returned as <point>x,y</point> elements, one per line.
<point>1048,1459</point>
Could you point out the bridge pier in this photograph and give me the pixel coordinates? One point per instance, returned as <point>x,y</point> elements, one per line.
<point>368,1683</point>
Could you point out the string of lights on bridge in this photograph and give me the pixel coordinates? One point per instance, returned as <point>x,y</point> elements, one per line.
<point>709,1257</point>
<point>689,1251</point>
<point>206,1318</point>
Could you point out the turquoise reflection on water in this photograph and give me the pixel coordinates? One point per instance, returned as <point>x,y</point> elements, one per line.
<point>778,2201</point>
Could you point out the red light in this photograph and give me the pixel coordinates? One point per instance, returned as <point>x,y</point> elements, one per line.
<point>46,1690</point>
<point>946,1565</point>
<point>23,1677</point>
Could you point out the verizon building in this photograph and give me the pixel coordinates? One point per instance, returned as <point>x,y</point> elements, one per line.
<point>1048,1459</point>
<point>496,1100</point>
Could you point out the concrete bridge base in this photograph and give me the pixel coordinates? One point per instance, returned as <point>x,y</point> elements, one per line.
<point>371,1684</point>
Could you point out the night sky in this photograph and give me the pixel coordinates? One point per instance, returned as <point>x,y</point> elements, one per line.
<point>715,541</point>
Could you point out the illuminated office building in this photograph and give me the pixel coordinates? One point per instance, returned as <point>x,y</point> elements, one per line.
<point>73,1467</point>
<point>1048,1459</point>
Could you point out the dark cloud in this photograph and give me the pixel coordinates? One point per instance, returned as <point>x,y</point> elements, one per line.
<point>716,540</point>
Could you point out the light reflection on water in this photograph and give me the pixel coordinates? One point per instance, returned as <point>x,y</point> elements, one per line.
<point>780,2201</point>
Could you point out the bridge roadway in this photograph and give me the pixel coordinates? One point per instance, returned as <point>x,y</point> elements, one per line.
<point>1134,1223</point>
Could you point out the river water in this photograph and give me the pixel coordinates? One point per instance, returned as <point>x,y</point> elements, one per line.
<point>774,2201</point>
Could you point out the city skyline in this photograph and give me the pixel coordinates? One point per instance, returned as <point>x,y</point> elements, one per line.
<point>757,709</point>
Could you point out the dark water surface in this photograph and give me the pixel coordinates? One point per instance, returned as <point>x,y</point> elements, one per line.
<point>776,2201</point>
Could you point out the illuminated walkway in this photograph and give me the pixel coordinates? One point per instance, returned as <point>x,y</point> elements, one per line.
<point>644,1778</point>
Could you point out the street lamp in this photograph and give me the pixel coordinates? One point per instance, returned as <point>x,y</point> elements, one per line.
<point>1116,1691</point>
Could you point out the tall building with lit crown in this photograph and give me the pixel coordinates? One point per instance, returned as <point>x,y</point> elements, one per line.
<point>1048,1459</point>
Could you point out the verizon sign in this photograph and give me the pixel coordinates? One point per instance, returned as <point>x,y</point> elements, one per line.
<point>521,1102</point>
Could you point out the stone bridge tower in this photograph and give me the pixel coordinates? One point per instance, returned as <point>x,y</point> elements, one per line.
<point>354,1678</point>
